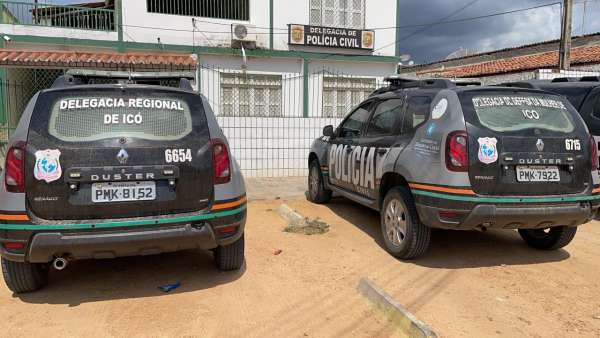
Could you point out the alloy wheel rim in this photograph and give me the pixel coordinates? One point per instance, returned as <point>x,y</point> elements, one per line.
<point>395,222</point>
<point>314,181</point>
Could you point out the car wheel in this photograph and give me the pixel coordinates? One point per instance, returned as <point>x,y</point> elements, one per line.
<point>548,239</point>
<point>23,277</point>
<point>316,187</point>
<point>230,257</point>
<point>404,235</point>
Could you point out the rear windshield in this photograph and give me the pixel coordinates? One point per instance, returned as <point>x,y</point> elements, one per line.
<point>507,113</point>
<point>92,118</point>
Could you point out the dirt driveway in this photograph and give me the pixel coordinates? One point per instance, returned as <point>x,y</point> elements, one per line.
<point>469,285</point>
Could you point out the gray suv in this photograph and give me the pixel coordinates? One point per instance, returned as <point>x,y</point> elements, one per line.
<point>440,154</point>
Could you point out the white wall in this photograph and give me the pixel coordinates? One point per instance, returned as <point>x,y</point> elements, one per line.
<point>57,32</point>
<point>270,147</point>
<point>290,70</point>
<point>177,29</point>
<point>379,14</point>
<point>278,146</point>
<point>141,26</point>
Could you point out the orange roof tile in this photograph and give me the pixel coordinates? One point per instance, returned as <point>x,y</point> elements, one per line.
<point>580,55</point>
<point>98,60</point>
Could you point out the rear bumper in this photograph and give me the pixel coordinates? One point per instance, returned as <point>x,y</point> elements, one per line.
<point>44,245</point>
<point>509,216</point>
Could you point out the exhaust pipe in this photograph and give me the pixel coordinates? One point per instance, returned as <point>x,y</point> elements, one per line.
<point>60,264</point>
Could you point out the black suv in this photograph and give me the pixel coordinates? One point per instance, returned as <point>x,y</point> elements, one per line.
<point>583,93</point>
<point>113,170</point>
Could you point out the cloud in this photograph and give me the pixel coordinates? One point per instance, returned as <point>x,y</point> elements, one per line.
<point>482,35</point>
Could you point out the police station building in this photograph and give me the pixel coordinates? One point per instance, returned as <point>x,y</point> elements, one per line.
<point>274,71</point>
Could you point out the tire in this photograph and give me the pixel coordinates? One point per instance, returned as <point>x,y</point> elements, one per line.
<point>548,239</point>
<point>316,187</point>
<point>230,257</point>
<point>406,237</point>
<point>24,277</point>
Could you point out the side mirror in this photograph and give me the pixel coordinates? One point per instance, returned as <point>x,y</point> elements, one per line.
<point>328,131</point>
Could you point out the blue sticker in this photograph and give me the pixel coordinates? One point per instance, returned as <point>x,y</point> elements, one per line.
<point>431,129</point>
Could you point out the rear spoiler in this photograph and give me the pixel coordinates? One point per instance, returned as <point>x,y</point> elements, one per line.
<point>402,82</point>
<point>83,77</point>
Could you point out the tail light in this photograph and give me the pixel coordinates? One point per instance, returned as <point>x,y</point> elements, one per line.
<point>14,246</point>
<point>594,149</point>
<point>14,177</point>
<point>457,155</point>
<point>221,163</point>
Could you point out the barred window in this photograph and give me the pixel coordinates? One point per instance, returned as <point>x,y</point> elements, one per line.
<point>338,13</point>
<point>222,9</point>
<point>340,94</point>
<point>250,95</point>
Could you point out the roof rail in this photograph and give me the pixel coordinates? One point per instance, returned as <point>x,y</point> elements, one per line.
<point>402,82</point>
<point>84,76</point>
<point>518,84</point>
<point>397,82</point>
<point>565,79</point>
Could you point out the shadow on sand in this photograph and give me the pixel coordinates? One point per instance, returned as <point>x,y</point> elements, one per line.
<point>131,277</point>
<point>454,249</point>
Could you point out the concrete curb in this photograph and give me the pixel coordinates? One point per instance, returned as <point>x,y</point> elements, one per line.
<point>290,215</point>
<point>405,321</point>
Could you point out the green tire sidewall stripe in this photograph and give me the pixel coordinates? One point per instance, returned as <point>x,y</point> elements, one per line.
<point>118,224</point>
<point>505,199</point>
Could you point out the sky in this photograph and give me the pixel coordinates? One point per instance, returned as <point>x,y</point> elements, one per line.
<point>439,41</point>
<point>511,30</point>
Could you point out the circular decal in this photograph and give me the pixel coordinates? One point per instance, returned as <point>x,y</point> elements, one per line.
<point>439,109</point>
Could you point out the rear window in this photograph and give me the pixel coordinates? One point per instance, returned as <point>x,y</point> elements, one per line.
<point>507,113</point>
<point>92,118</point>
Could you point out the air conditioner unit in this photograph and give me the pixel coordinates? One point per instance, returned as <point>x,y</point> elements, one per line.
<point>242,34</point>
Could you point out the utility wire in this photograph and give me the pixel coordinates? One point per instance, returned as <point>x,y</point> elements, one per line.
<point>393,27</point>
<point>473,17</point>
<point>427,27</point>
<point>196,30</point>
<point>444,21</point>
<point>431,24</point>
<point>424,26</point>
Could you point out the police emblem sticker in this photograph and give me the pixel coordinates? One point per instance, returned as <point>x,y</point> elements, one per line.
<point>47,165</point>
<point>488,153</point>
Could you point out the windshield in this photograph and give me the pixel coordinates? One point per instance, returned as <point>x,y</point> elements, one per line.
<point>96,117</point>
<point>507,113</point>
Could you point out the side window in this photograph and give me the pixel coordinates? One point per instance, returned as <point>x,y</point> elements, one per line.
<point>384,118</point>
<point>596,112</point>
<point>416,113</point>
<point>352,126</point>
